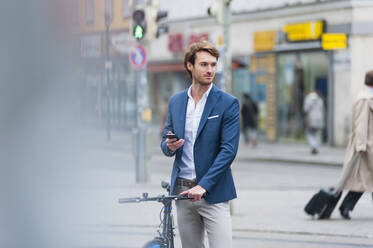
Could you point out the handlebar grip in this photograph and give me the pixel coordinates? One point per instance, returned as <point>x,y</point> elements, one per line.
<point>128,200</point>
<point>182,197</point>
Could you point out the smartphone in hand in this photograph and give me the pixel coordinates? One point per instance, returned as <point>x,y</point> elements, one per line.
<point>172,136</point>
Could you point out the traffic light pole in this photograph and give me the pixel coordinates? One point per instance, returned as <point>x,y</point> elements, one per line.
<point>108,84</point>
<point>227,57</point>
<point>140,131</point>
<point>142,104</point>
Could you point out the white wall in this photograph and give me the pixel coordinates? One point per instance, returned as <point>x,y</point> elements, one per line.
<point>186,9</point>
<point>361,61</point>
<point>348,83</point>
<point>342,96</point>
<point>361,47</point>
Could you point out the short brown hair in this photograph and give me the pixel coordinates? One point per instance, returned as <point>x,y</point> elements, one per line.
<point>194,48</point>
<point>369,78</point>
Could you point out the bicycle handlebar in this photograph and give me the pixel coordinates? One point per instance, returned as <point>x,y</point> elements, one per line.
<point>126,200</point>
<point>158,198</point>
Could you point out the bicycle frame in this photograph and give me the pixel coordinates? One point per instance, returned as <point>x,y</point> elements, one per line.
<point>166,237</point>
<point>168,229</point>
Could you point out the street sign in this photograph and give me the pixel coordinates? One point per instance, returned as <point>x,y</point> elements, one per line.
<point>137,57</point>
<point>122,42</point>
<point>146,115</point>
<point>304,31</point>
<point>264,40</point>
<point>334,41</point>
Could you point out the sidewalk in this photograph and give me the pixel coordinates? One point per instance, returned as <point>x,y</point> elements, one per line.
<point>264,151</point>
<point>291,153</point>
<point>270,203</point>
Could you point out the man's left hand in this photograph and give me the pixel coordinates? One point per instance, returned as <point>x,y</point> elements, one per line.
<point>196,193</point>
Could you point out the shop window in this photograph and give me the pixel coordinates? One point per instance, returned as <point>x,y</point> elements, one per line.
<point>297,74</point>
<point>89,11</point>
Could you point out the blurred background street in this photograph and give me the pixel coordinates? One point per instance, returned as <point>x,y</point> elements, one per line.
<point>84,91</point>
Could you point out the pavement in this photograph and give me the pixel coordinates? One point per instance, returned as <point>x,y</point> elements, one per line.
<point>291,153</point>
<point>276,209</point>
<point>264,151</point>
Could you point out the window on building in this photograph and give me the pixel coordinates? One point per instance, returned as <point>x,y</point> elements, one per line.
<point>89,11</point>
<point>75,12</point>
<point>126,9</point>
<point>109,8</point>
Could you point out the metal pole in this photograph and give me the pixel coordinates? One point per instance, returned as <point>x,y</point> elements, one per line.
<point>142,101</point>
<point>330,99</point>
<point>140,132</point>
<point>227,56</point>
<point>226,83</point>
<point>108,84</point>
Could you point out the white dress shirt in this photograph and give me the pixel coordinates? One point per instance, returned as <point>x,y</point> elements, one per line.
<point>370,90</point>
<point>192,119</point>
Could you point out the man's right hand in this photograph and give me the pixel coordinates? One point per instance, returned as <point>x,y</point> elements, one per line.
<point>174,144</point>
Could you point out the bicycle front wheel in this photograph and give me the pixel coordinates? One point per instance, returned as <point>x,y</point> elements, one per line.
<point>156,243</point>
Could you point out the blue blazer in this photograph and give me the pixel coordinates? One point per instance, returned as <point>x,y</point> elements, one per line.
<point>216,142</point>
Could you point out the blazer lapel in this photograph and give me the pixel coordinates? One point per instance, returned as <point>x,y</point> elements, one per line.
<point>210,104</point>
<point>180,128</point>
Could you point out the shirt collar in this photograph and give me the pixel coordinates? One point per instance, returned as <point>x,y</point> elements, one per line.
<point>205,95</point>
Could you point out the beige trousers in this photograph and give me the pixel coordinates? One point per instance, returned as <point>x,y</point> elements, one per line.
<point>195,217</point>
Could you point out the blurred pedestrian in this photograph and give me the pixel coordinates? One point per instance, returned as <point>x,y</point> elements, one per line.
<point>360,140</point>
<point>207,123</point>
<point>249,113</point>
<point>314,109</point>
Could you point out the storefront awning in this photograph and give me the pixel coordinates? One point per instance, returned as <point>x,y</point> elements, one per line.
<point>298,46</point>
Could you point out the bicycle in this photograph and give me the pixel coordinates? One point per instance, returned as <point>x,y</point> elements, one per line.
<point>165,238</point>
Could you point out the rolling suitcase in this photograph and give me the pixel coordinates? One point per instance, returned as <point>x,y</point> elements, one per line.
<point>323,203</point>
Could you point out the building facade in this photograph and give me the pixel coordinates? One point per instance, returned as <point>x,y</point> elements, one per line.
<point>280,51</point>
<point>100,96</point>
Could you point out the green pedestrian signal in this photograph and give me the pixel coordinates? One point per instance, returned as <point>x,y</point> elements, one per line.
<point>139,24</point>
<point>139,32</point>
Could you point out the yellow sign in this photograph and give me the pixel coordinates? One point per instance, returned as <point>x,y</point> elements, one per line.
<point>304,31</point>
<point>334,41</point>
<point>220,40</point>
<point>146,115</point>
<point>264,41</point>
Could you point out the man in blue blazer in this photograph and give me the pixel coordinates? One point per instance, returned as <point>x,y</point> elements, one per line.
<point>206,122</point>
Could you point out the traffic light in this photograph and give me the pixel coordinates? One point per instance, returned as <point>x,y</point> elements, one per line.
<point>217,9</point>
<point>153,16</point>
<point>139,24</point>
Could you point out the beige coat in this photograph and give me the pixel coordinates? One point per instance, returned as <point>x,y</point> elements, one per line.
<point>361,139</point>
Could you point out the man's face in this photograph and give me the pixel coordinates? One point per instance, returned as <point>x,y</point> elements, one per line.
<point>203,70</point>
